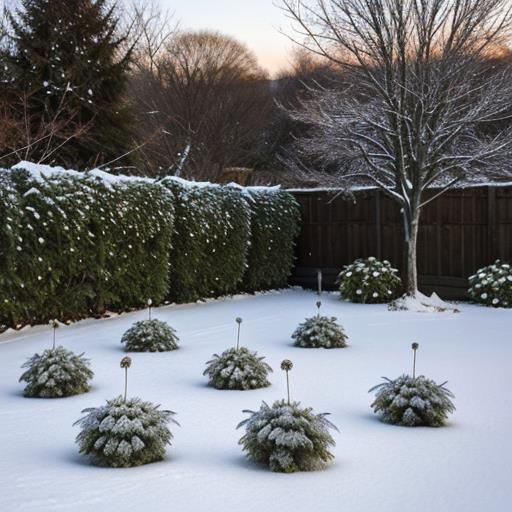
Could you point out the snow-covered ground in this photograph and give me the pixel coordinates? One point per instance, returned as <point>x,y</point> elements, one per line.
<point>465,466</point>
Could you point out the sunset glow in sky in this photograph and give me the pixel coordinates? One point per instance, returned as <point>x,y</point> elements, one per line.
<point>254,22</point>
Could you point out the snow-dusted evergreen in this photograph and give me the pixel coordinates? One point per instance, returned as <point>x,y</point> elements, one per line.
<point>124,433</point>
<point>412,402</point>
<point>238,368</point>
<point>56,373</point>
<point>150,336</point>
<point>369,281</point>
<point>492,285</point>
<point>320,332</point>
<point>287,437</point>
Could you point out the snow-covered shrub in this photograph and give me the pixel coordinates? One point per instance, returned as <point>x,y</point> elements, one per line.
<point>124,433</point>
<point>150,336</point>
<point>85,242</point>
<point>369,281</point>
<point>320,332</point>
<point>11,311</point>
<point>238,369</point>
<point>287,437</point>
<point>412,402</point>
<point>492,285</point>
<point>209,250</point>
<point>56,373</point>
<point>275,218</point>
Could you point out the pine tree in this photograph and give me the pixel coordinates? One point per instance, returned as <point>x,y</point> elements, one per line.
<point>70,64</point>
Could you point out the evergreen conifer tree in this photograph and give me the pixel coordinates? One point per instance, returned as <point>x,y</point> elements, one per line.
<point>69,62</point>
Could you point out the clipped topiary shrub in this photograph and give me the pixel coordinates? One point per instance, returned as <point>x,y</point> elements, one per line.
<point>287,438</point>
<point>492,285</point>
<point>320,332</point>
<point>238,368</point>
<point>369,281</point>
<point>150,336</point>
<point>275,217</point>
<point>208,256</point>
<point>412,402</point>
<point>56,373</point>
<point>124,433</point>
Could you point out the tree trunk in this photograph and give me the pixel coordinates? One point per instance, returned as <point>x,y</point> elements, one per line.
<point>412,267</point>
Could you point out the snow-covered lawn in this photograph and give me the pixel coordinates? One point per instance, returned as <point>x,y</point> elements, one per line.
<point>465,466</point>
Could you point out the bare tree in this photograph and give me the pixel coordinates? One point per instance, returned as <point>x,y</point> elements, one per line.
<point>428,98</point>
<point>25,136</point>
<point>207,97</point>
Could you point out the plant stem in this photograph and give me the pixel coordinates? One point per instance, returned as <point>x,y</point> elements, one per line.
<point>414,365</point>
<point>125,382</point>
<point>149,312</point>
<point>238,338</point>
<point>54,338</point>
<point>288,386</point>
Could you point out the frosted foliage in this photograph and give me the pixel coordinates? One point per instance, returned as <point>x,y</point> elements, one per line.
<point>369,281</point>
<point>56,373</point>
<point>320,332</point>
<point>412,402</point>
<point>124,434</point>
<point>150,336</point>
<point>238,369</point>
<point>287,438</point>
<point>492,285</point>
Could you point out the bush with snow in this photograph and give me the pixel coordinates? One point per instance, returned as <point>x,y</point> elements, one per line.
<point>150,336</point>
<point>287,437</point>
<point>209,249</point>
<point>238,368</point>
<point>492,285</point>
<point>82,243</point>
<point>369,281</point>
<point>275,224</point>
<point>56,373</point>
<point>412,402</point>
<point>124,433</point>
<point>320,332</point>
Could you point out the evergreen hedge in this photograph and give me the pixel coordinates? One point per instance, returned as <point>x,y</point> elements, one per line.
<point>208,256</point>
<point>79,244</point>
<point>73,244</point>
<point>275,217</point>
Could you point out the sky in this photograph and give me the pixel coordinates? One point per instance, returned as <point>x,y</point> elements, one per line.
<point>254,22</point>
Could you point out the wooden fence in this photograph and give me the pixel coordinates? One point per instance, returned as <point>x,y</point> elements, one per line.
<point>460,232</point>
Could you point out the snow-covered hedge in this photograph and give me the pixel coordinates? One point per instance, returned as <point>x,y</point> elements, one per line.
<point>275,217</point>
<point>124,434</point>
<point>369,281</point>
<point>287,438</point>
<point>150,336</point>
<point>238,368</point>
<point>74,244</point>
<point>56,373</point>
<point>492,285</point>
<point>413,402</point>
<point>208,255</point>
<point>82,244</point>
<point>320,332</point>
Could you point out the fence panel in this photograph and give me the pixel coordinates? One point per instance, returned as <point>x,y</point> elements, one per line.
<point>460,232</point>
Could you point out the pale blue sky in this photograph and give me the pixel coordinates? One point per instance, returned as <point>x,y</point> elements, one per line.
<point>255,22</point>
